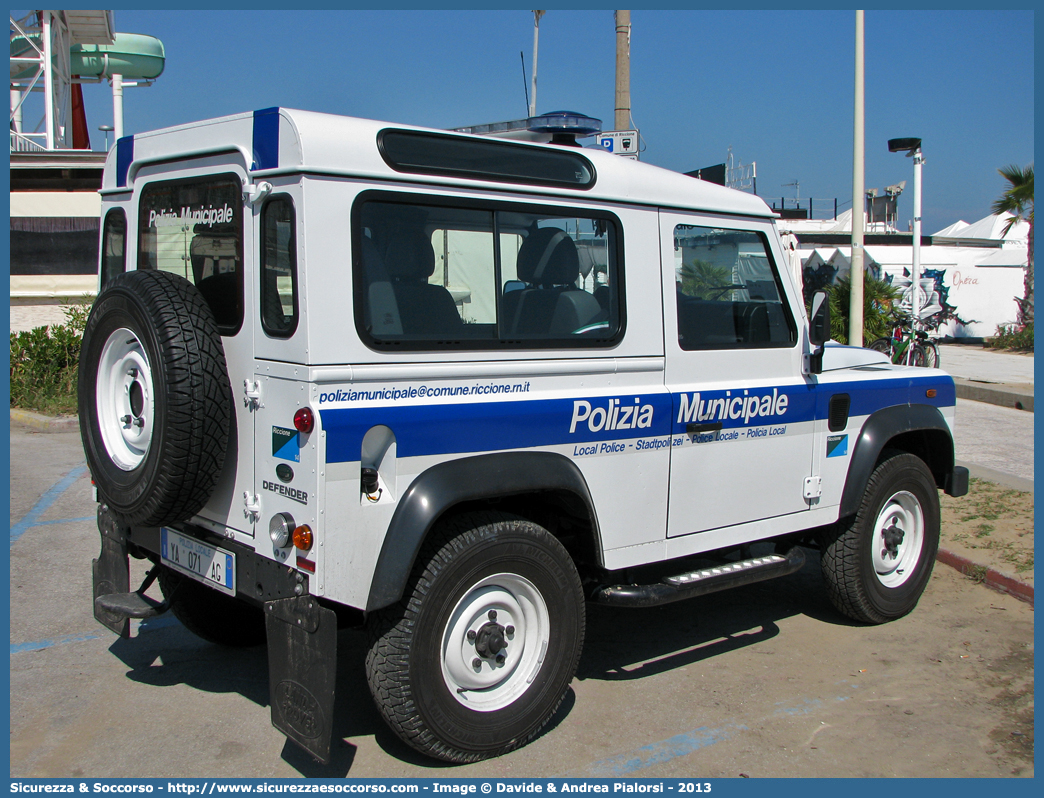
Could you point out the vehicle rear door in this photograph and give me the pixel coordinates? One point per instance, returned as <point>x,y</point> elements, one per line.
<point>198,226</point>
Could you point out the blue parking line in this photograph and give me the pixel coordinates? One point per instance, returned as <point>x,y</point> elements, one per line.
<point>38,645</point>
<point>31,518</point>
<point>682,744</point>
<point>659,752</point>
<point>149,625</point>
<point>66,520</point>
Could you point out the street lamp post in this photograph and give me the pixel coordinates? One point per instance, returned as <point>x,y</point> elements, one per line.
<point>106,129</point>
<point>912,148</point>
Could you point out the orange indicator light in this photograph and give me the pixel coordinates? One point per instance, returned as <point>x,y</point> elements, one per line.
<point>303,537</point>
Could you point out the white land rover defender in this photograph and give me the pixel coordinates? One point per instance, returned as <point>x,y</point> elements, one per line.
<point>455,387</point>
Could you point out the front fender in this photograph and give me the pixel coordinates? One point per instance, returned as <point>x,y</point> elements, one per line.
<point>451,483</point>
<point>886,425</point>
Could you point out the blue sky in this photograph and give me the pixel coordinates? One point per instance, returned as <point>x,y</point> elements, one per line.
<point>776,86</point>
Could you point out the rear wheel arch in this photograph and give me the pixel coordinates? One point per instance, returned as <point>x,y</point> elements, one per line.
<point>477,657</point>
<point>537,485</point>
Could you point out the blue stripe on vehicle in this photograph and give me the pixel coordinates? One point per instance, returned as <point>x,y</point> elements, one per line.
<point>266,139</point>
<point>744,407</point>
<point>124,158</point>
<point>876,394</point>
<point>481,426</point>
<point>434,429</point>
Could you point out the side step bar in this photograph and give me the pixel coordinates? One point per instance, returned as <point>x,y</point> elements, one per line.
<point>702,582</point>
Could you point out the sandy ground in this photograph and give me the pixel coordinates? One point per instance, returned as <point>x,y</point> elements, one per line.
<point>992,526</point>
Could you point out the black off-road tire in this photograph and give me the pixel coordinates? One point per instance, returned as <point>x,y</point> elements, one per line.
<point>154,399</point>
<point>420,650</point>
<point>872,575</point>
<point>211,615</point>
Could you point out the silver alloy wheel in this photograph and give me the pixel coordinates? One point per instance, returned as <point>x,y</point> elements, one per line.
<point>505,608</point>
<point>898,539</point>
<point>125,399</point>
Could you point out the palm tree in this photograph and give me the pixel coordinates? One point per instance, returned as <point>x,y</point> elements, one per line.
<point>1018,201</point>
<point>704,280</point>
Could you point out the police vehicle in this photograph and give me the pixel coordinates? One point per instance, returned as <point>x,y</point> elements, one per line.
<point>456,387</point>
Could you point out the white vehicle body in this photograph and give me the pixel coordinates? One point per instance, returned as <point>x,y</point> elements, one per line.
<point>672,440</point>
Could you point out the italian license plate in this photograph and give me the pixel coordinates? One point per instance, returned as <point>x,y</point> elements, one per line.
<point>207,564</point>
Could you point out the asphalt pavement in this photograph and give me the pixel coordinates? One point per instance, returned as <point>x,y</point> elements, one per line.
<point>985,375</point>
<point>764,680</point>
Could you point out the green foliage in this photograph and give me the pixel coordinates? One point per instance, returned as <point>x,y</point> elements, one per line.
<point>1018,201</point>
<point>1012,336</point>
<point>1018,198</point>
<point>44,362</point>
<point>704,280</point>
<point>878,315</point>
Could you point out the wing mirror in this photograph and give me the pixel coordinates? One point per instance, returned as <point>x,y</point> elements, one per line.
<point>818,331</point>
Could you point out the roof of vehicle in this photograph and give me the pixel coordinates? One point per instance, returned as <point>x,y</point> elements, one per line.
<point>283,140</point>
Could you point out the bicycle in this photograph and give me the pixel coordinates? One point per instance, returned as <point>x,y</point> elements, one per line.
<point>923,352</point>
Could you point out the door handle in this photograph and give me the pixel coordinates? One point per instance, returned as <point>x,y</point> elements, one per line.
<point>696,429</point>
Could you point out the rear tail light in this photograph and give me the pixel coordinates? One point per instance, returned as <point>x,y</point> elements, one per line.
<point>304,420</point>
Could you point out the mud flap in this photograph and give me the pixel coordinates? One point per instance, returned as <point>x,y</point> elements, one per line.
<point>111,570</point>
<point>302,671</point>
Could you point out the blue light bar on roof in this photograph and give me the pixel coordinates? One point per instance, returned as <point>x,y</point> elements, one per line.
<point>565,122</point>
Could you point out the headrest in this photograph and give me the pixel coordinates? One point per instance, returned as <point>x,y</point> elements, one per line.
<point>373,265</point>
<point>410,257</point>
<point>548,257</point>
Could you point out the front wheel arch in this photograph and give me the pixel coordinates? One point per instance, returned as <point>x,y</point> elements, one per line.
<point>920,430</point>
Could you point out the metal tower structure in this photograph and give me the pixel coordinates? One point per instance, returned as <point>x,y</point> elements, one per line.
<point>40,62</point>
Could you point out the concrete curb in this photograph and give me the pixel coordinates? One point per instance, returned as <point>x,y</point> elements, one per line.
<point>1001,478</point>
<point>1002,583</point>
<point>995,394</point>
<point>42,423</point>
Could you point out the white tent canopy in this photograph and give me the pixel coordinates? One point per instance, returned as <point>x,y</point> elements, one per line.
<point>991,228</point>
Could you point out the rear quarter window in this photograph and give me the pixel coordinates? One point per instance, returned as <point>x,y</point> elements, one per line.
<point>194,228</point>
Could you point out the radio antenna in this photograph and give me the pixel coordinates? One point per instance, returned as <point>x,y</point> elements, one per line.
<point>525,84</point>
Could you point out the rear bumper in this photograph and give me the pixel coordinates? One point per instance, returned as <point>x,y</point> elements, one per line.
<point>258,579</point>
<point>301,634</point>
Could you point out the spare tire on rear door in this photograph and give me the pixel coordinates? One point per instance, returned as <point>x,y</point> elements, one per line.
<point>155,403</point>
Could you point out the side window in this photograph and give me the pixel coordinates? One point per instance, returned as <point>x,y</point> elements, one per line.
<point>729,295</point>
<point>114,246</point>
<point>194,228</point>
<point>485,276</point>
<point>278,267</point>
